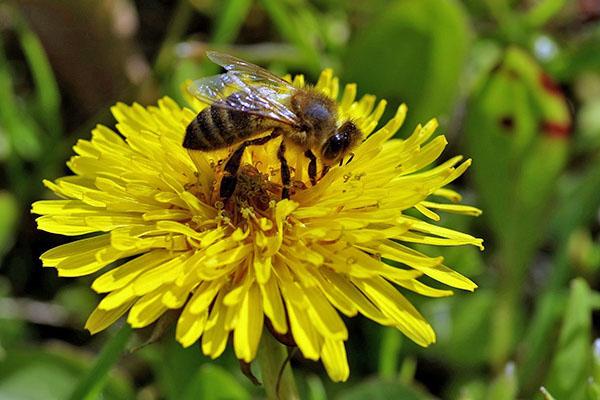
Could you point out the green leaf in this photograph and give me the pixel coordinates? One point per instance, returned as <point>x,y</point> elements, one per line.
<point>543,11</point>
<point>212,382</point>
<point>578,201</point>
<point>463,326</point>
<point>515,133</point>
<point>572,361</point>
<point>39,380</point>
<point>535,344</point>
<point>168,360</point>
<point>413,52</point>
<point>38,374</point>
<point>377,389</point>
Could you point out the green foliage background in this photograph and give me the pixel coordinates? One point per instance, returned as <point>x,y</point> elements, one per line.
<point>516,86</point>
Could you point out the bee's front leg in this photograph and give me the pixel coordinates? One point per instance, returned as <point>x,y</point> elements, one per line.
<point>232,166</point>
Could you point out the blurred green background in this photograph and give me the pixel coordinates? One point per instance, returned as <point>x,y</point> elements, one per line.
<point>516,86</point>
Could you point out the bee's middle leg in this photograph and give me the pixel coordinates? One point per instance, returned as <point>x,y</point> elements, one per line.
<point>312,167</point>
<point>285,172</point>
<point>229,180</point>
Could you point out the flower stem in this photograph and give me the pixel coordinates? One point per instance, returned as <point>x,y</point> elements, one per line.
<point>91,385</point>
<point>271,358</point>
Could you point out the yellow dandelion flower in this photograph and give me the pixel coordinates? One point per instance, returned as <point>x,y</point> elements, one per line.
<point>293,265</point>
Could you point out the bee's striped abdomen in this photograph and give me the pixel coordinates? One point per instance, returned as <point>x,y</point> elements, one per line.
<point>217,127</point>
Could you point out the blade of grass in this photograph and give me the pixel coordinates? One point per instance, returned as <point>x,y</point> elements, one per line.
<point>46,87</point>
<point>22,131</point>
<point>288,27</point>
<point>230,20</point>
<point>90,387</point>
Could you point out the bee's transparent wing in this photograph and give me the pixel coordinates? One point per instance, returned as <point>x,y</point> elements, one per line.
<point>242,92</point>
<point>255,73</point>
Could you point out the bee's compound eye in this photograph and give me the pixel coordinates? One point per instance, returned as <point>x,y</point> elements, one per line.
<point>338,145</point>
<point>335,145</point>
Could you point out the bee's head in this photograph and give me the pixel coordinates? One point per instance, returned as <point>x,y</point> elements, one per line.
<point>341,143</point>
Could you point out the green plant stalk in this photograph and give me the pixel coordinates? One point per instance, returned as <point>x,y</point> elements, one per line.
<point>271,357</point>
<point>91,385</point>
<point>389,353</point>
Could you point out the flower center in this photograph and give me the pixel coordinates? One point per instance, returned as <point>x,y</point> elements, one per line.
<point>256,192</point>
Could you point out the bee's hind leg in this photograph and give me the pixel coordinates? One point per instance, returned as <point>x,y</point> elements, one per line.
<point>312,167</point>
<point>229,180</point>
<point>285,172</point>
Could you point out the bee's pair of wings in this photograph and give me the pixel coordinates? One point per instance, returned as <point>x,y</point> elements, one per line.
<point>246,87</point>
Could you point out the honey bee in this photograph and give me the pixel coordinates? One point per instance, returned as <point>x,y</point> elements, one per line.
<point>248,101</point>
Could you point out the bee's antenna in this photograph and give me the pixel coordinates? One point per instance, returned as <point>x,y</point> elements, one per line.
<point>291,353</point>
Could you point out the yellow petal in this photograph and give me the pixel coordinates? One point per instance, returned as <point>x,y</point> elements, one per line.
<point>324,317</point>
<point>124,274</point>
<point>52,257</point>
<point>215,336</point>
<point>334,359</point>
<point>396,307</point>
<point>248,329</point>
<point>102,319</point>
<point>273,305</point>
<point>190,326</point>
<point>146,310</point>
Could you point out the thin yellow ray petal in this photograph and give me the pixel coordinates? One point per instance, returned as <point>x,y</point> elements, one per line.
<point>426,211</point>
<point>421,288</point>
<point>334,295</point>
<point>215,335</point>
<point>190,327</point>
<point>102,319</point>
<point>400,253</point>
<point>52,257</point>
<point>124,274</point>
<point>61,207</point>
<point>146,310</point>
<point>117,298</point>
<point>262,268</point>
<point>158,276</point>
<point>453,208</point>
<point>273,305</point>
<point>334,359</point>
<point>353,295</point>
<point>324,317</point>
<point>248,329</point>
<point>204,295</point>
<point>396,307</point>
<point>305,335</point>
